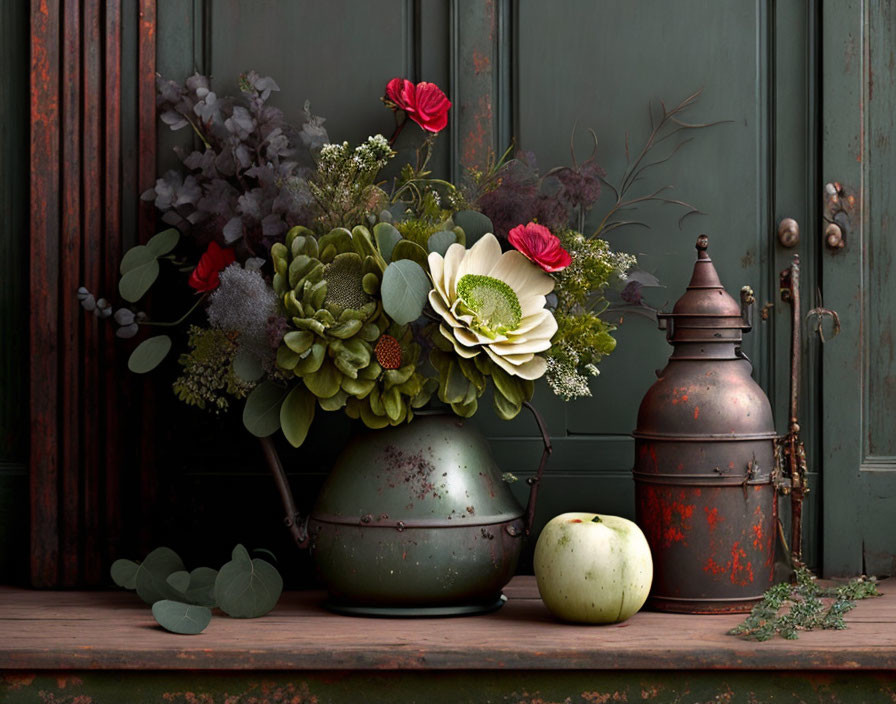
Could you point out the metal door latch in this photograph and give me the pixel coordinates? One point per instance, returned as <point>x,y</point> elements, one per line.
<point>839,204</point>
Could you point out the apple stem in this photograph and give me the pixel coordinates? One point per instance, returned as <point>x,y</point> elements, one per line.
<point>596,519</point>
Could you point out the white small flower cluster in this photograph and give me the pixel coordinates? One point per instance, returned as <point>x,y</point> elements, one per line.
<point>565,380</point>
<point>367,158</point>
<point>243,302</point>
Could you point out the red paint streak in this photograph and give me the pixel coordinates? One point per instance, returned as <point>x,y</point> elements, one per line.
<point>741,570</point>
<point>696,412</point>
<point>714,567</point>
<point>666,521</point>
<point>576,520</point>
<point>481,62</point>
<point>757,537</point>
<point>738,568</point>
<point>712,517</point>
<point>648,451</point>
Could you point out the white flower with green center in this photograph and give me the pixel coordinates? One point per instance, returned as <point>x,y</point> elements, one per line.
<point>493,302</point>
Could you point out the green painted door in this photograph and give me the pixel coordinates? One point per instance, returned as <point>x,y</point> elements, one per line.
<point>535,72</point>
<point>859,366</point>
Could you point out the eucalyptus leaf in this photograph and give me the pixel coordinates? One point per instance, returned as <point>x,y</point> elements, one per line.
<point>124,573</point>
<point>196,587</point>
<point>163,242</point>
<point>240,554</point>
<point>134,257</point>
<point>441,241</point>
<point>474,225</point>
<point>265,554</point>
<point>410,250</point>
<point>261,414</point>
<point>152,576</point>
<point>136,281</point>
<point>247,588</point>
<point>404,290</point>
<point>247,365</point>
<point>177,617</point>
<point>296,415</point>
<point>149,354</point>
<point>386,238</point>
<point>180,580</point>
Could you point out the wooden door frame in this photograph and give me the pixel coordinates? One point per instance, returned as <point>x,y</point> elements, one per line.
<point>83,162</point>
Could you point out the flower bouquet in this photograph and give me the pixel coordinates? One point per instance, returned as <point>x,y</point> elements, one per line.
<point>318,286</point>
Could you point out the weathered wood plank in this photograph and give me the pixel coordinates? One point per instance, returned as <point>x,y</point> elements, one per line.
<point>69,321</point>
<point>112,630</point>
<point>91,271</point>
<point>112,251</point>
<point>44,278</point>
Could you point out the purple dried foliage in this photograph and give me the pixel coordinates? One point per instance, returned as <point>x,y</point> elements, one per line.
<point>245,181</point>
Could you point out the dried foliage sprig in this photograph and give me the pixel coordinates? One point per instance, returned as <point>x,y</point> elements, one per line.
<point>668,125</point>
<point>787,608</point>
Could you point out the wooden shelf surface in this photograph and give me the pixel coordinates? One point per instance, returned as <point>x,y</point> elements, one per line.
<point>109,630</point>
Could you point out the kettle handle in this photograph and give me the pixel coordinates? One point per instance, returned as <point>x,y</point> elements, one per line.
<point>535,481</point>
<point>297,528</point>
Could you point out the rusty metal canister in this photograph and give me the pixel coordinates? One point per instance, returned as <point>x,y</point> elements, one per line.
<point>704,458</point>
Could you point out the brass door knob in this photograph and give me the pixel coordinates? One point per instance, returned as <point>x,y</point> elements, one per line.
<point>788,232</point>
<point>833,236</point>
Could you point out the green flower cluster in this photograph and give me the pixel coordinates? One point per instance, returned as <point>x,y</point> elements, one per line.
<point>341,346</point>
<point>208,379</point>
<point>583,338</point>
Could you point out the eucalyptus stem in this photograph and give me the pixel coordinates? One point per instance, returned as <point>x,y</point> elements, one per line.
<point>180,319</point>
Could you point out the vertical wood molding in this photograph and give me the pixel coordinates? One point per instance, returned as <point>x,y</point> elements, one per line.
<point>44,283</point>
<point>77,427</point>
<point>475,77</point>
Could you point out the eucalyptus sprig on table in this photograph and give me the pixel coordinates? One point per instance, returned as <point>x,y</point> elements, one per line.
<point>806,610</point>
<point>182,601</point>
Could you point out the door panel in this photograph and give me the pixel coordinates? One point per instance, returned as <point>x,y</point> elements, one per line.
<point>859,382</point>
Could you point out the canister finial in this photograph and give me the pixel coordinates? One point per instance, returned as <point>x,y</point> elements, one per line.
<point>702,243</point>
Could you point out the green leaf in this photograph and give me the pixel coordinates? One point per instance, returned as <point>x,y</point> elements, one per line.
<point>265,554</point>
<point>163,242</point>
<point>412,251</point>
<point>247,588</point>
<point>474,225</point>
<point>299,341</point>
<point>199,587</point>
<point>404,290</point>
<point>504,407</point>
<point>177,617</point>
<point>247,365</point>
<point>149,354</point>
<point>124,573</point>
<point>180,580</point>
<point>137,280</point>
<point>441,241</point>
<point>240,554</point>
<point>386,238</point>
<point>509,386</point>
<point>135,257</point>
<point>325,382</point>
<point>261,414</point>
<point>152,576</point>
<point>296,414</point>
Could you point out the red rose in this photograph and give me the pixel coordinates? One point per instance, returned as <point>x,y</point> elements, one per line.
<point>424,103</point>
<point>537,244</point>
<point>215,260</point>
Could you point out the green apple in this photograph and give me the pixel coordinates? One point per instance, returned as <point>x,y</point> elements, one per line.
<point>593,568</point>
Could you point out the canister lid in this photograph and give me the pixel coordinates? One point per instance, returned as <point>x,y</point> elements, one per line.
<point>705,295</point>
